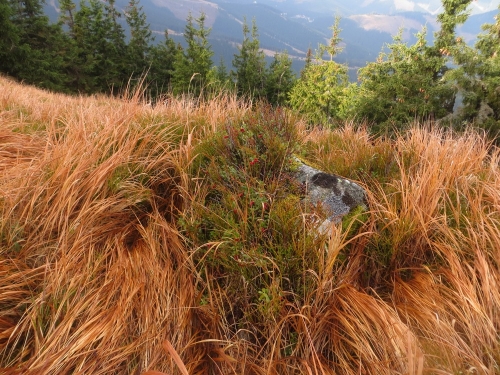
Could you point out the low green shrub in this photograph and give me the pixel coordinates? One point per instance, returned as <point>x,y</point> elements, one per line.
<point>249,228</point>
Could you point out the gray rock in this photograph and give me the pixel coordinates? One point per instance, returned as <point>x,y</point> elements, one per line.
<point>336,195</point>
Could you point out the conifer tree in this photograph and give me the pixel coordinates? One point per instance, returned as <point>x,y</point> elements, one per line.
<point>162,57</point>
<point>488,73</point>
<point>455,13</point>
<point>323,91</point>
<point>219,79</point>
<point>79,71</point>
<point>118,75</point>
<point>73,65</point>
<point>308,61</point>
<point>413,82</point>
<point>192,65</point>
<point>477,77</point>
<point>250,64</point>
<point>35,58</point>
<point>66,15</point>
<point>9,39</point>
<point>280,79</point>
<point>89,44</point>
<point>100,45</point>
<point>403,85</point>
<point>222,74</point>
<point>139,45</point>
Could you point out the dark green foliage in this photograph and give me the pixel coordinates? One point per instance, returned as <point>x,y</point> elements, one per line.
<point>219,79</point>
<point>74,62</point>
<point>91,44</point>
<point>454,13</point>
<point>309,58</point>
<point>97,48</point>
<point>9,39</point>
<point>118,76</point>
<point>408,83</point>
<point>192,66</point>
<point>162,57</point>
<point>488,47</point>
<point>323,92</point>
<point>221,71</point>
<point>139,46</point>
<point>477,77</point>
<point>250,65</point>
<point>32,44</point>
<point>87,52</point>
<point>403,85</point>
<point>280,79</point>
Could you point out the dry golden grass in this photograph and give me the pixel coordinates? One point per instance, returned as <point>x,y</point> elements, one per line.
<point>94,275</point>
<point>97,278</point>
<point>437,218</point>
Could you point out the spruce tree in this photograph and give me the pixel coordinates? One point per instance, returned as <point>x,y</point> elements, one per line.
<point>100,48</point>
<point>280,79</point>
<point>250,64</point>
<point>308,61</point>
<point>73,65</point>
<point>192,65</point>
<point>218,79</point>
<point>9,39</point>
<point>455,13</point>
<point>162,57</point>
<point>139,46</point>
<point>488,46</point>
<point>118,74</point>
<point>323,91</point>
<point>66,15</point>
<point>89,40</point>
<point>415,82</point>
<point>222,74</point>
<point>36,57</point>
<point>477,77</point>
<point>403,85</point>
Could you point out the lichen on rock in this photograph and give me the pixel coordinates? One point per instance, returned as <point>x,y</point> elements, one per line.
<point>336,195</point>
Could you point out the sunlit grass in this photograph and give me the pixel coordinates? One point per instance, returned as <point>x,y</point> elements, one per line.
<point>172,238</point>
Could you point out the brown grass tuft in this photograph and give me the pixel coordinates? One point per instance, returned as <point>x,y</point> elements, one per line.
<point>94,273</point>
<point>98,277</point>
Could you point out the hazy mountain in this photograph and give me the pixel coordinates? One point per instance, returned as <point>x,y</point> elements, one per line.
<point>350,7</point>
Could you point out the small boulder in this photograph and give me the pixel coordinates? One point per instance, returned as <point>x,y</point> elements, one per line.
<point>336,195</point>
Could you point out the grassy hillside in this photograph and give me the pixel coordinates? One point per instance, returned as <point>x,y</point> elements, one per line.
<point>174,240</point>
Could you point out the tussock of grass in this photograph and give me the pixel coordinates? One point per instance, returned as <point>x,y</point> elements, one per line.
<point>172,239</point>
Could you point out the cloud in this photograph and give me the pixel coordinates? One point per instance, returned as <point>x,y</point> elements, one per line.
<point>428,8</point>
<point>388,24</point>
<point>404,5</point>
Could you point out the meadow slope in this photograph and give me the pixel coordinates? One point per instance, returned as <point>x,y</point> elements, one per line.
<point>172,239</point>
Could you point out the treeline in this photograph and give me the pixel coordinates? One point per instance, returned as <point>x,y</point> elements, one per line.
<point>89,51</point>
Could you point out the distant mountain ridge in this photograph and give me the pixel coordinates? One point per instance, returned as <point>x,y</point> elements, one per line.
<point>349,7</point>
